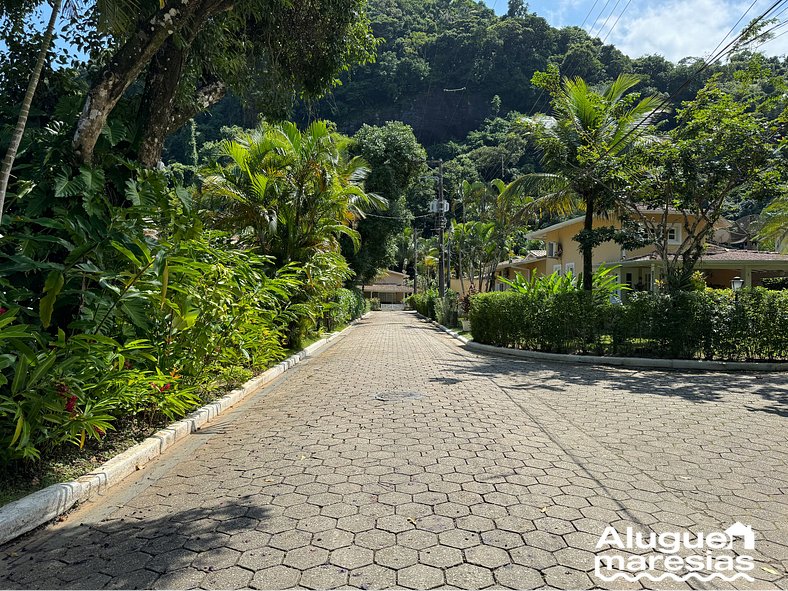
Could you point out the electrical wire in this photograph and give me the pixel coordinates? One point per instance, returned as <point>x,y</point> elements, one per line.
<point>728,49</point>
<point>616,21</point>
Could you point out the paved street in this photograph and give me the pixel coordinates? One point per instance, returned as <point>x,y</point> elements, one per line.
<point>398,458</point>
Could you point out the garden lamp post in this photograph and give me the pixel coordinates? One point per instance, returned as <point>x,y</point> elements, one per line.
<point>736,285</point>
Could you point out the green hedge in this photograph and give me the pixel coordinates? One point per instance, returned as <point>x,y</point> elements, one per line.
<point>431,305</point>
<point>711,324</point>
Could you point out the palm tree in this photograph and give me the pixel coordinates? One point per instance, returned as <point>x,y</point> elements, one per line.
<point>580,145</point>
<point>291,193</point>
<point>773,223</point>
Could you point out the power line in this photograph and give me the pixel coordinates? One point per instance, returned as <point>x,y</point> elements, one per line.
<point>604,24</point>
<point>616,21</point>
<point>733,28</point>
<point>729,48</point>
<point>541,90</point>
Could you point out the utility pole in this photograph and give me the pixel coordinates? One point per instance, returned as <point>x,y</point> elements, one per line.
<point>415,261</point>
<point>441,224</point>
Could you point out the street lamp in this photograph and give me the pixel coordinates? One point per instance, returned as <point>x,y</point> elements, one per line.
<point>737,283</point>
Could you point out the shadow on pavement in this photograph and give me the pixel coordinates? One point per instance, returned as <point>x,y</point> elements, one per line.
<point>179,548</point>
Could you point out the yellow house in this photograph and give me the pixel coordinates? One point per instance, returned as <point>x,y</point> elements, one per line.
<point>641,267</point>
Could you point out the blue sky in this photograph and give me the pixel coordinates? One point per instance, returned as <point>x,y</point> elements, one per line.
<point>673,28</point>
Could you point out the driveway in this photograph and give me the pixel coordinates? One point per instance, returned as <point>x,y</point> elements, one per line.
<point>397,458</point>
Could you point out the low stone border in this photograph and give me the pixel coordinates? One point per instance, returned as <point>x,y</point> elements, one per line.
<point>43,506</point>
<point>633,362</point>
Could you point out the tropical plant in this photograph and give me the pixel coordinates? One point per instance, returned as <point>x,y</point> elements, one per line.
<point>287,192</point>
<point>581,144</point>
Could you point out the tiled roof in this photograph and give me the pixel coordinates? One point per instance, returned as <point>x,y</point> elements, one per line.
<point>719,254</point>
<point>532,255</point>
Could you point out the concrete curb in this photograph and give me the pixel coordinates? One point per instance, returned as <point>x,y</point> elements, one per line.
<point>40,507</point>
<point>630,362</point>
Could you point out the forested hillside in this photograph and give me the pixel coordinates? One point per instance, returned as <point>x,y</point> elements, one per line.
<point>445,66</point>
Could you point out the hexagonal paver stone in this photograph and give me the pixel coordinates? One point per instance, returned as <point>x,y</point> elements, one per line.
<point>338,510</point>
<point>435,523</point>
<point>234,577</point>
<point>289,499</point>
<point>161,563</point>
<point>394,498</point>
<point>417,539</point>
<point>566,578</point>
<point>373,577</point>
<point>457,538</point>
<point>532,557</point>
<point>248,540</point>
<point>574,558</point>
<point>326,576</point>
<point>332,539</point>
<point>356,523</point>
<point>306,557</point>
<point>375,539</point>
<point>419,576</point>
<point>275,577</point>
<point>318,523</point>
<point>487,556</point>
<point>469,576</point>
<point>502,539</point>
<point>515,576</point>
<point>475,523</point>
<point>452,510</point>
<point>352,557</point>
<point>290,540</point>
<point>216,559</point>
<point>396,557</point>
<point>184,578</point>
<point>441,556</point>
<point>261,558</point>
<point>554,526</point>
<point>395,523</point>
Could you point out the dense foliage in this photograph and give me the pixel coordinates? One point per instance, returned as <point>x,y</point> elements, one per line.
<point>430,305</point>
<point>127,299</point>
<point>711,324</point>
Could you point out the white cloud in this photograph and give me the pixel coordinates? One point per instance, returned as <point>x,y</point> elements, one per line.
<point>682,28</point>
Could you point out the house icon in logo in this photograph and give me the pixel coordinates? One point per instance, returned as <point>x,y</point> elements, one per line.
<point>739,530</point>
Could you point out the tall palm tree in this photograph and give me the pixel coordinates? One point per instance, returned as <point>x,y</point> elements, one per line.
<point>580,145</point>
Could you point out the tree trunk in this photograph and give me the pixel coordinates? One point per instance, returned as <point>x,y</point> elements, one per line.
<point>24,111</point>
<point>129,62</point>
<point>587,248</point>
<point>158,101</point>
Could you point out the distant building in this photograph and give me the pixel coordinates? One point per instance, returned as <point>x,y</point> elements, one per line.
<point>640,268</point>
<point>389,287</point>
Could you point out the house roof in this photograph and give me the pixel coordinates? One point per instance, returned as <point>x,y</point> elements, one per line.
<point>533,255</point>
<point>538,234</point>
<point>394,276</point>
<point>719,254</point>
<point>388,288</point>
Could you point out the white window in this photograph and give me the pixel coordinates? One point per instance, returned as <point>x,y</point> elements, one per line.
<point>557,269</point>
<point>674,234</point>
<point>569,268</point>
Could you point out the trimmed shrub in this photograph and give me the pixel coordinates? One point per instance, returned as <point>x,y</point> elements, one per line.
<point>431,305</point>
<point>710,324</point>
